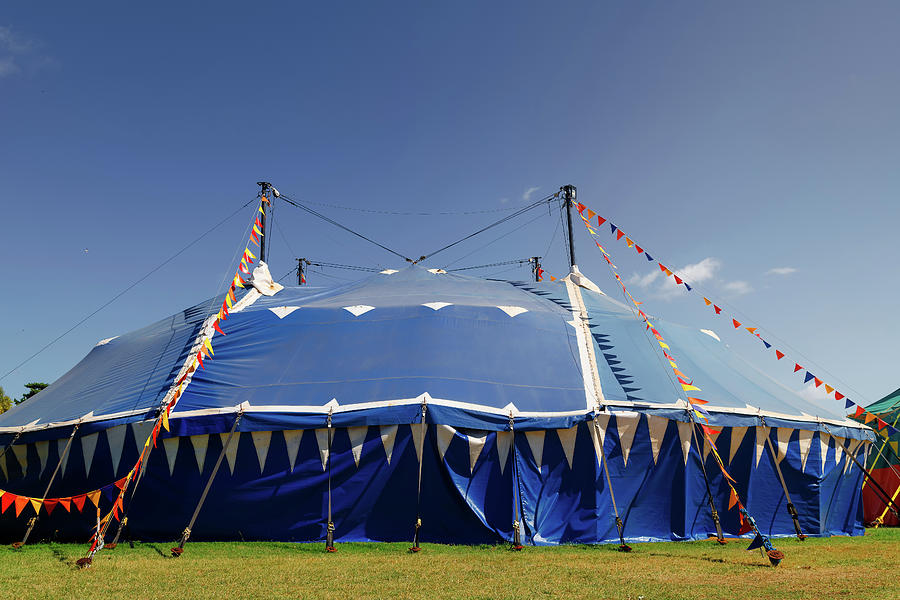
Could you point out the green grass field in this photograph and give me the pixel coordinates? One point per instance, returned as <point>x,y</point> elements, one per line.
<point>864,567</point>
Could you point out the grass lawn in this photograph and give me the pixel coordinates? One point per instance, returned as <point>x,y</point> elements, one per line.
<point>864,567</point>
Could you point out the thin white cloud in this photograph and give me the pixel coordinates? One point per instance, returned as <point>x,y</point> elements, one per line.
<point>781,271</point>
<point>528,193</point>
<point>811,393</point>
<point>737,288</point>
<point>504,200</point>
<point>698,272</point>
<point>20,54</point>
<point>645,280</point>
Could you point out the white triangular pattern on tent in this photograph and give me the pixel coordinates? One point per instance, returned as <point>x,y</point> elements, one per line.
<point>476,444</point>
<point>418,436</point>
<point>358,309</point>
<point>20,451</point>
<point>231,452</point>
<point>292,439</point>
<point>824,443</point>
<point>141,431</point>
<point>200,443</point>
<point>737,436</point>
<point>504,442</point>
<point>762,433</point>
<point>64,459</point>
<point>322,440</point>
<point>115,436</point>
<point>444,436</point>
<point>804,438</point>
<point>261,441</point>
<point>88,445</point>
<point>567,440</point>
<point>684,436</point>
<point>170,446</point>
<point>43,451</point>
<point>783,437</point>
<point>602,420</point>
<point>388,435</point>
<point>838,449</point>
<point>851,448</point>
<point>657,428</point>
<point>357,439</point>
<point>626,423</point>
<point>714,435</point>
<point>3,467</point>
<point>536,443</point>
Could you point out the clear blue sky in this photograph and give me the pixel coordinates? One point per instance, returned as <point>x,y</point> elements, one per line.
<point>737,139</point>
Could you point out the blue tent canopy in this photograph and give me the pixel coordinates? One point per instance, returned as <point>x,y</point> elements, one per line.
<point>505,371</point>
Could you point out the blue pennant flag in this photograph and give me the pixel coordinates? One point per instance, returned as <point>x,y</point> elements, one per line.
<point>650,258</point>
<point>768,345</point>
<point>809,377</point>
<point>688,287</point>
<point>756,543</point>
<point>612,228</point>
<point>848,404</point>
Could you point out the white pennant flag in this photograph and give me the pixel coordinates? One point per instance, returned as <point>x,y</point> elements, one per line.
<point>657,428</point>
<point>261,440</point>
<point>292,438</point>
<point>504,442</point>
<point>357,439</point>
<point>388,436</point>
<point>567,440</point>
<point>536,443</point>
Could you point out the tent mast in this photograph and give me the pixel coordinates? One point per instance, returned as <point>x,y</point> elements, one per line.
<point>264,186</point>
<point>569,191</point>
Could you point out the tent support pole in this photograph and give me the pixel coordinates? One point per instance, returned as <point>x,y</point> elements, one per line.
<point>329,531</point>
<point>623,547</point>
<point>33,521</point>
<point>792,510</point>
<point>177,551</point>
<point>422,425</point>
<point>712,506</point>
<point>517,490</point>
<point>569,192</point>
<point>264,186</point>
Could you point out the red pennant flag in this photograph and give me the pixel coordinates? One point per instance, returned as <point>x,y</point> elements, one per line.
<point>736,323</point>
<point>200,359</point>
<point>66,503</point>
<point>257,223</point>
<point>580,207</point>
<point>217,328</point>
<point>697,401</point>
<point>797,367</point>
<point>639,249</point>
<point>838,396</point>
<point>745,526</point>
<point>121,483</point>
<point>779,354</point>
<point>881,424</point>
<point>678,280</point>
<point>50,504</point>
<point>5,501</point>
<point>717,309</point>
<point>818,381</point>
<point>710,430</point>
<point>600,220</point>
<point>619,234</point>
<point>662,268</point>
<point>253,238</point>
<point>732,499</point>
<point>859,411</point>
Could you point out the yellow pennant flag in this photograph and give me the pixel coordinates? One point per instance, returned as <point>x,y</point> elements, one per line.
<point>36,503</point>
<point>690,388</point>
<point>257,231</point>
<point>228,300</point>
<point>828,389</point>
<point>238,282</point>
<point>208,345</point>
<point>250,254</point>
<point>165,420</point>
<point>261,210</point>
<point>94,497</point>
<point>664,345</point>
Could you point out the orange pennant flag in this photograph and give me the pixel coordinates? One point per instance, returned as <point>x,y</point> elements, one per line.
<point>552,278</point>
<point>590,214</point>
<point>66,503</point>
<point>629,242</point>
<point>869,417</point>
<point>78,501</point>
<point>707,301</point>
<point>264,199</point>
<point>20,503</point>
<point>697,401</point>
<point>751,329</point>
<point>818,381</point>
<point>94,497</point>
<point>732,499</point>
<point>828,389</point>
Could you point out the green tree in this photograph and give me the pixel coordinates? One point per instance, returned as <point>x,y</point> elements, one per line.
<point>5,402</point>
<point>33,388</point>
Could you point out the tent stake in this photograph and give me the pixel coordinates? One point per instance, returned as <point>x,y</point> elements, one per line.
<point>623,547</point>
<point>33,521</point>
<point>712,507</point>
<point>178,550</point>
<point>792,510</point>
<point>415,546</point>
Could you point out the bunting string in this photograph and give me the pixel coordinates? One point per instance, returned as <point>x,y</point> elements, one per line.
<point>589,217</point>
<point>698,414</point>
